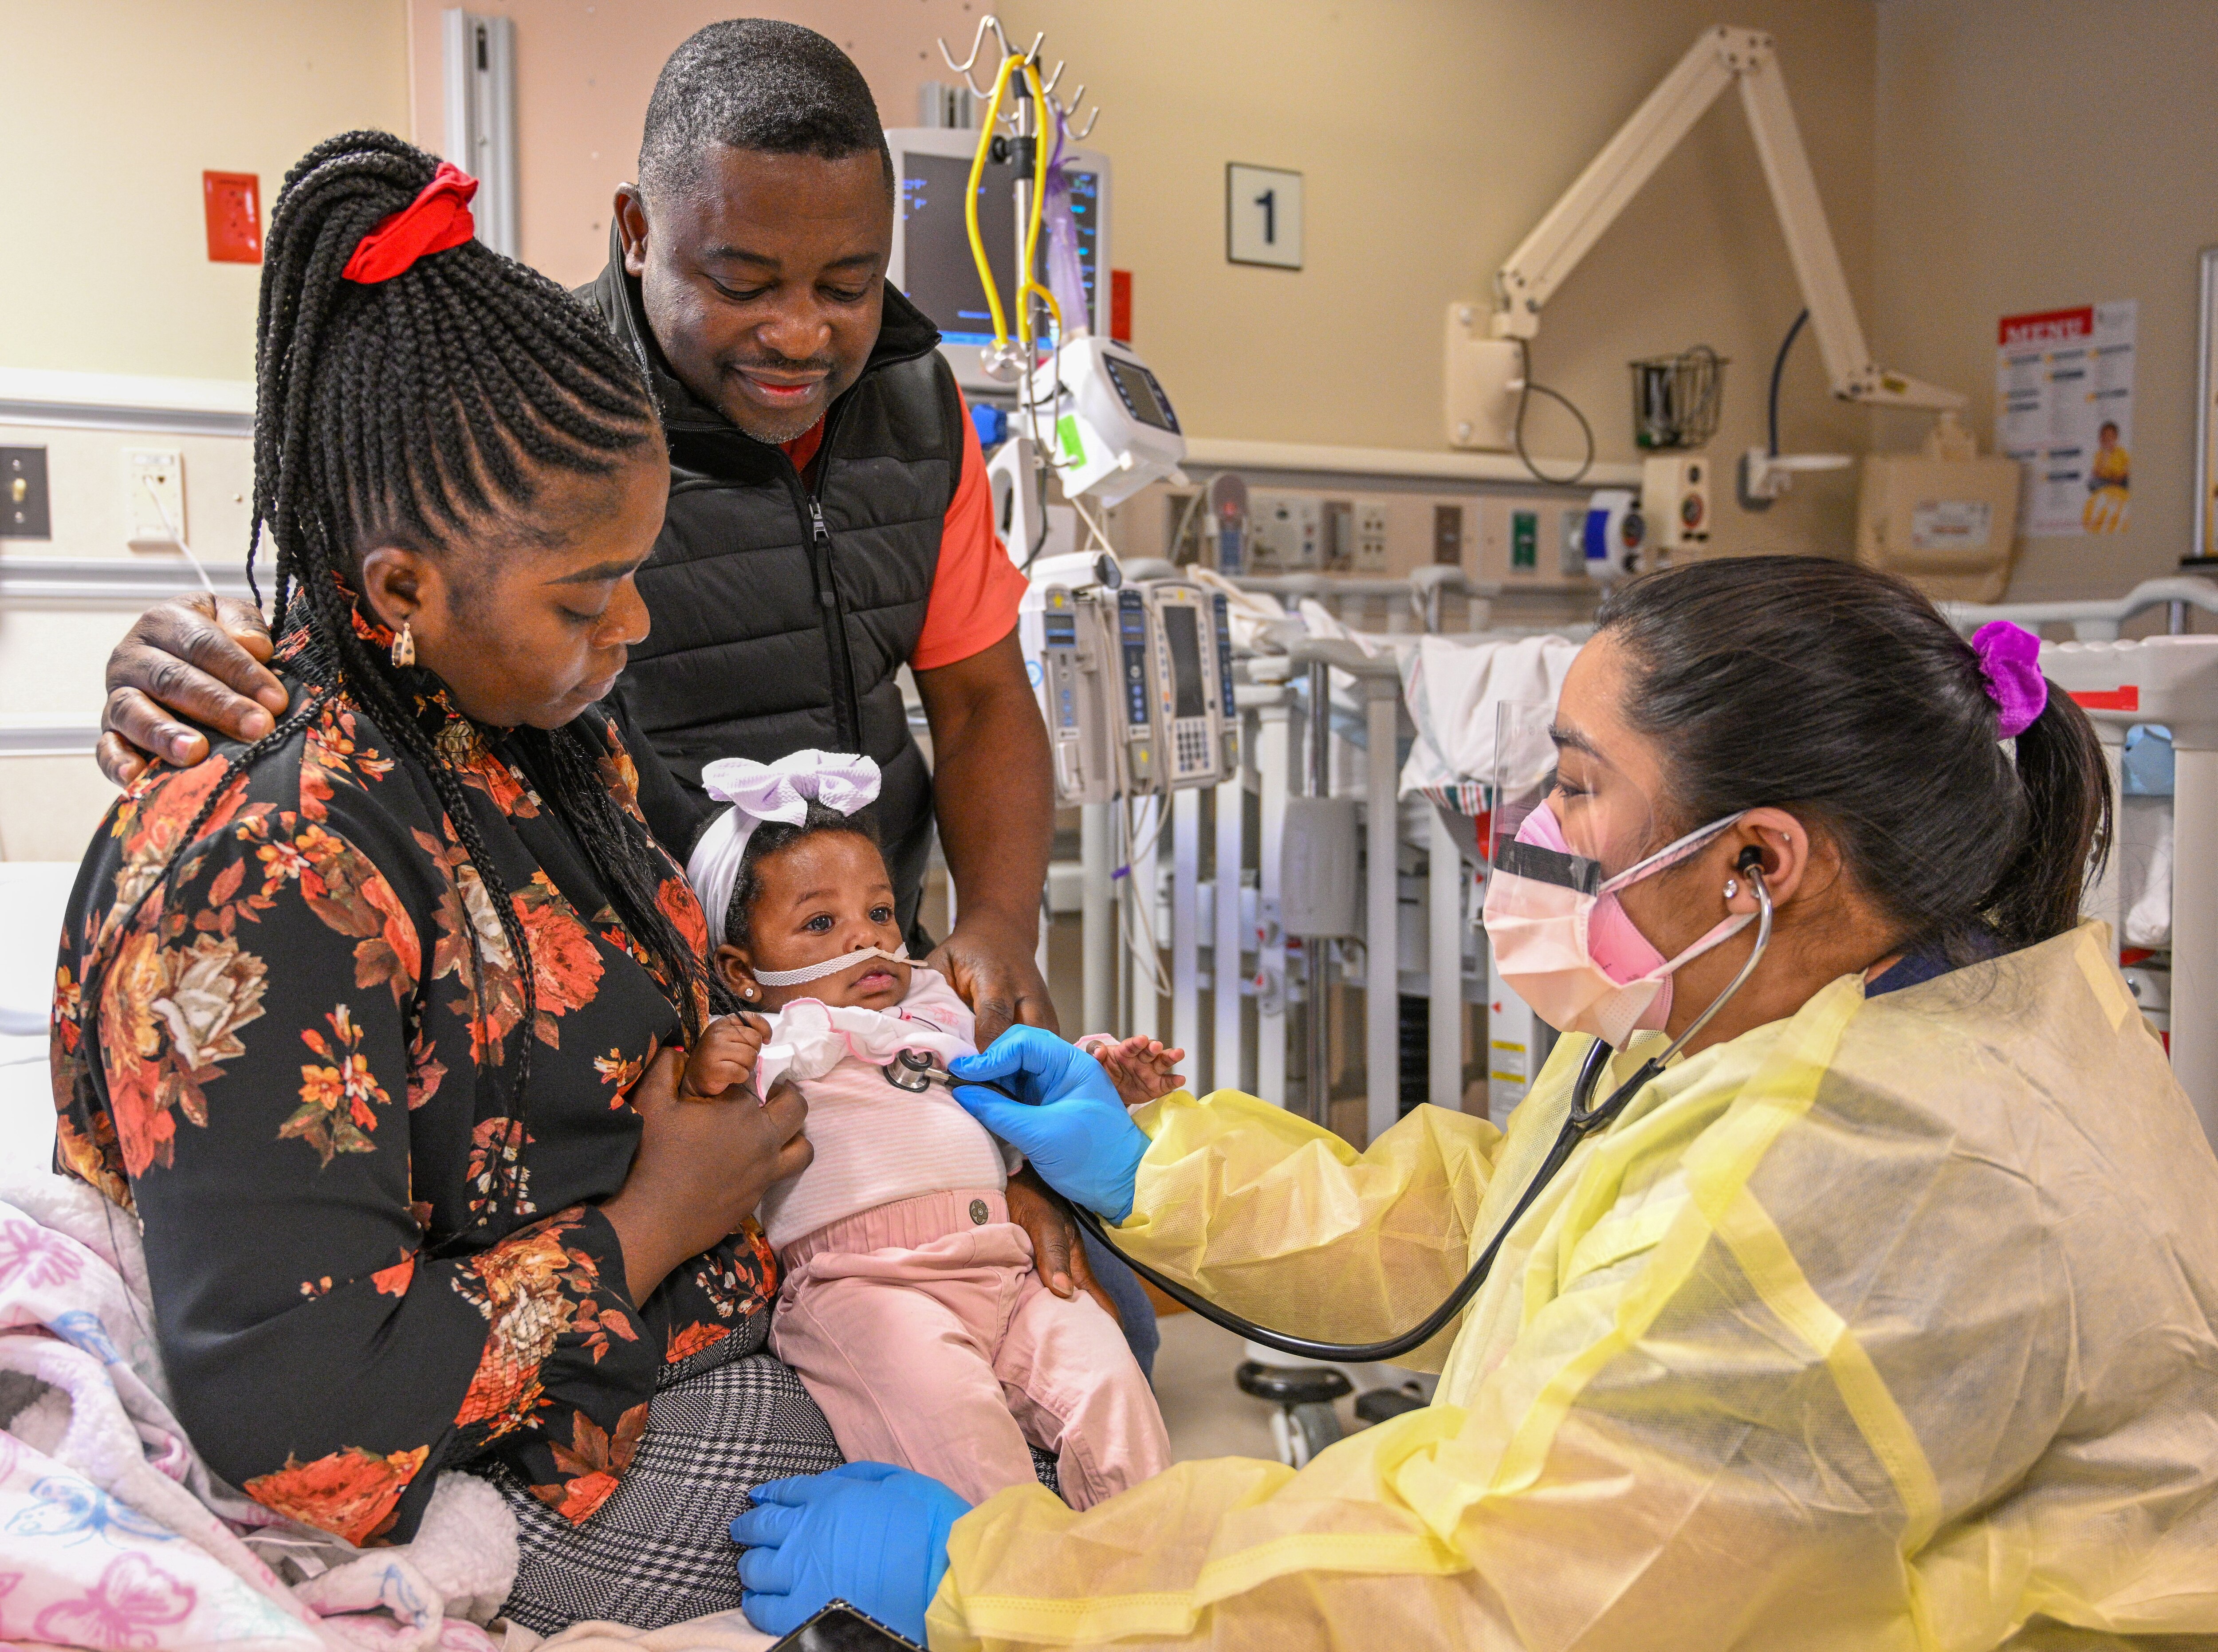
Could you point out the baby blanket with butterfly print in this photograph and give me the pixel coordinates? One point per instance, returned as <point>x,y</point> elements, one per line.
<point>112,1531</point>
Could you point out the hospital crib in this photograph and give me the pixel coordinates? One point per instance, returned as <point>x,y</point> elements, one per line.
<point>2170,683</point>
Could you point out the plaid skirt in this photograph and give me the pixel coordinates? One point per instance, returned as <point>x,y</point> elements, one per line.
<point>658,1551</point>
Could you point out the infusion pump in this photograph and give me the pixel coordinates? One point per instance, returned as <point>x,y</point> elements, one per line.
<point>1134,682</point>
<point>1197,728</point>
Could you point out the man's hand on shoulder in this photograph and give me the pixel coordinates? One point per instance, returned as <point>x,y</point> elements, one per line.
<point>993,966</point>
<point>199,657</point>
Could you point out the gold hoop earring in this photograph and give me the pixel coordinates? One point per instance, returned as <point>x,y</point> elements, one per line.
<point>403,646</point>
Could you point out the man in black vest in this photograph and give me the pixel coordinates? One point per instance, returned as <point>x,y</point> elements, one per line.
<point>829,520</point>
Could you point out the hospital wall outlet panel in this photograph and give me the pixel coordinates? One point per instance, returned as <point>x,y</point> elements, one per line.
<point>26,507</point>
<point>1374,534</point>
<point>1285,533</point>
<point>1367,521</point>
<point>1527,543</point>
<point>1675,502</point>
<point>154,497</point>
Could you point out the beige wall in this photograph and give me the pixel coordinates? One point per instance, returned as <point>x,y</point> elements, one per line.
<point>584,73</point>
<point>2034,154</point>
<point>108,114</point>
<point>1432,134</point>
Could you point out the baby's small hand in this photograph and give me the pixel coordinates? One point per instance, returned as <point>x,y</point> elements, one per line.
<point>724,1057</point>
<point>1141,1068</point>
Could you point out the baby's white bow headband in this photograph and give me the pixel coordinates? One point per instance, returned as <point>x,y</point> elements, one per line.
<point>767,791</point>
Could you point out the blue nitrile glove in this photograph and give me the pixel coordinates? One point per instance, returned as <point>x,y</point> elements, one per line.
<point>869,1533</point>
<point>1070,1124</point>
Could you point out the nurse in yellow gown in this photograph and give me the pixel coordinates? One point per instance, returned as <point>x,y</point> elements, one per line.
<point>1883,1318</point>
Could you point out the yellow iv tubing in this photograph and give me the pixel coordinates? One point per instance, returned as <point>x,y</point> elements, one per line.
<point>1025,285</point>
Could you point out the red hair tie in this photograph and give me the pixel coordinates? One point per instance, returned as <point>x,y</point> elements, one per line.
<point>437,219</point>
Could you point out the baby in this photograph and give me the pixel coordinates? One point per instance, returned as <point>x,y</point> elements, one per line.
<point>910,1307</point>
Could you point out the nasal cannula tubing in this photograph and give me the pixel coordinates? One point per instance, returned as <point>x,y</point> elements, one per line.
<point>1582,1122</point>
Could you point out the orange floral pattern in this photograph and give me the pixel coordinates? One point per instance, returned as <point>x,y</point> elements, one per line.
<point>352,1493</point>
<point>336,1114</point>
<point>293,1038</point>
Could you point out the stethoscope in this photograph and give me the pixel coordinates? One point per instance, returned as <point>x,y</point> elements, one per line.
<point>919,1071</point>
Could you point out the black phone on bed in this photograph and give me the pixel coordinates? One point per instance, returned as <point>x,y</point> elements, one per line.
<point>840,1628</point>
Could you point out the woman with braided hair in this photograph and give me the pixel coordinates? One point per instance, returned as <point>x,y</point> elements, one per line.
<point>374,1022</point>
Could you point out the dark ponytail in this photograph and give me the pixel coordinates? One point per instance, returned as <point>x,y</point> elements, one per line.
<point>2067,837</point>
<point>1840,694</point>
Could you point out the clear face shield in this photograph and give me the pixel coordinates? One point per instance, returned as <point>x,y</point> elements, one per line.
<point>1568,830</point>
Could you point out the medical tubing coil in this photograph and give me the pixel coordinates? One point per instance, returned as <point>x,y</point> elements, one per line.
<point>1581,1123</point>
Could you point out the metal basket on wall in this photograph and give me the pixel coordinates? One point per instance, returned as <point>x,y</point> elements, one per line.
<point>1675,399</point>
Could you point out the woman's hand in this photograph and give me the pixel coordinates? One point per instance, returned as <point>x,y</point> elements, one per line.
<point>1071,1123</point>
<point>702,1168</point>
<point>868,1533</point>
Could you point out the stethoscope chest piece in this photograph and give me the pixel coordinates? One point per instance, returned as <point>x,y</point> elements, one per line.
<point>914,1071</point>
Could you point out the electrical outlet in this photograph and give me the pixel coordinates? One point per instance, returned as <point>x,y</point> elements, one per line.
<point>156,478</point>
<point>1370,536</point>
<point>1287,531</point>
<point>26,511</point>
<point>1571,562</point>
<point>1447,536</point>
<point>1338,551</point>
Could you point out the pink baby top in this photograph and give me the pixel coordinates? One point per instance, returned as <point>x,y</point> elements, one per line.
<point>874,1144</point>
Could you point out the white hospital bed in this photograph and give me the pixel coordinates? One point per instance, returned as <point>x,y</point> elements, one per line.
<point>33,894</point>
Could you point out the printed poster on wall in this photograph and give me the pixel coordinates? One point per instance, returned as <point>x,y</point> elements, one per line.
<point>2064,393</point>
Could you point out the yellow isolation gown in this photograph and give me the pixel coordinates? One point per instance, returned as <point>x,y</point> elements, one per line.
<point>1888,1325</point>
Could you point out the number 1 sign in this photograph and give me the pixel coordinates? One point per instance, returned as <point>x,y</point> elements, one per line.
<point>1263,216</point>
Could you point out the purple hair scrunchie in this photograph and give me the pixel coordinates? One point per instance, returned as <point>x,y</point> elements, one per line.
<point>2010,657</point>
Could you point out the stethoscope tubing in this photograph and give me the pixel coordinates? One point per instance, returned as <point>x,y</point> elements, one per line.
<point>1579,1123</point>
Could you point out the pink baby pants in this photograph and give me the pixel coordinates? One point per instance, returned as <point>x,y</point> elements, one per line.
<point>921,1330</point>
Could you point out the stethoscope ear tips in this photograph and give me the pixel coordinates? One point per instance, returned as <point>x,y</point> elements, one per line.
<point>1751,860</point>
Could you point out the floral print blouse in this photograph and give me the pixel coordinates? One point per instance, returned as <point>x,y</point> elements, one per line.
<point>295,1081</point>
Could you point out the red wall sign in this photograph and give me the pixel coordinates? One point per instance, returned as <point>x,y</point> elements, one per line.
<point>234,202</point>
<point>2047,327</point>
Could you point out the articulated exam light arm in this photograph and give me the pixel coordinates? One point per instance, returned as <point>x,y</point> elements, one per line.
<point>1721,57</point>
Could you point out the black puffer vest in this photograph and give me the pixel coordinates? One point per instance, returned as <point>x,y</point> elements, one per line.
<point>780,615</point>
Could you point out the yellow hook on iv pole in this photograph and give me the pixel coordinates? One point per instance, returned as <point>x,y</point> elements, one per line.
<point>1024,284</point>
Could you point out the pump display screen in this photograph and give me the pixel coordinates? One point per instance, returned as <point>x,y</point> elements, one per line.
<point>1184,635</point>
<point>938,274</point>
<point>1138,387</point>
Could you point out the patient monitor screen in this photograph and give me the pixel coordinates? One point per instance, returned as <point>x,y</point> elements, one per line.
<point>938,274</point>
<point>1138,387</point>
<point>1185,637</point>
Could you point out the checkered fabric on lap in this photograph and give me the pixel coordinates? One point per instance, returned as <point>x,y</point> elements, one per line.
<point>658,1552</point>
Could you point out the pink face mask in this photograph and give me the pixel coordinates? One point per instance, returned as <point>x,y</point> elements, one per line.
<point>1564,944</point>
